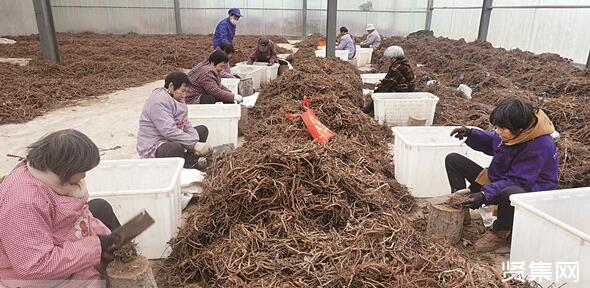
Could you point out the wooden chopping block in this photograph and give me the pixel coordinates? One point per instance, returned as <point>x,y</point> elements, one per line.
<point>416,121</point>
<point>134,274</point>
<point>445,223</point>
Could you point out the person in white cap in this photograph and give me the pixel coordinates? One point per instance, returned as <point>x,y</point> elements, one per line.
<point>373,39</point>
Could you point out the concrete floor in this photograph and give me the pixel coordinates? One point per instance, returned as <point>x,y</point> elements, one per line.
<point>110,121</point>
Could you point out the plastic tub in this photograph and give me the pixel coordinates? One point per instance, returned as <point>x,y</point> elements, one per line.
<point>419,158</point>
<point>394,109</point>
<point>231,84</point>
<point>342,54</point>
<point>270,72</point>
<point>131,186</point>
<point>553,227</point>
<point>220,119</point>
<point>249,71</point>
<point>372,78</point>
<point>363,56</point>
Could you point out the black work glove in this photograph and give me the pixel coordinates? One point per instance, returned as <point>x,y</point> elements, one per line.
<point>461,132</point>
<point>107,247</point>
<point>475,200</point>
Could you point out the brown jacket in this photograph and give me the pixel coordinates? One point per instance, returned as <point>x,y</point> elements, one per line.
<point>269,56</point>
<point>399,78</point>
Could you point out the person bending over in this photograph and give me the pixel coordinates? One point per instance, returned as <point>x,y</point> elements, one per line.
<point>205,82</point>
<point>524,160</point>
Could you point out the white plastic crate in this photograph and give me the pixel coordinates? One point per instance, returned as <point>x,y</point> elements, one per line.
<point>342,54</point>
<point>131,186</point>
<point>553,227</point>
<point>372,78</point>
<point>231,84</point>
<point>270,72</point>
<point>220,119</point>
<point>394,109</point>
<point>363,56</point>
<point>419,157</point>
<point>249,71</point>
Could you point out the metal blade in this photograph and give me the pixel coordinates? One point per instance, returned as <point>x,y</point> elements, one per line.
<point>224,147</point>
<point>132,228</point>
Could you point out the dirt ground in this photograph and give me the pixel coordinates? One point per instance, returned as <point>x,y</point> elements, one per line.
<point>95,64</point>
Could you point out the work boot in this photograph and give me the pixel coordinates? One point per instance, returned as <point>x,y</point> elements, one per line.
<point>492,240</point>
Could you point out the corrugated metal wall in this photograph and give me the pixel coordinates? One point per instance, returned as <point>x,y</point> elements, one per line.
<point>563,31</point>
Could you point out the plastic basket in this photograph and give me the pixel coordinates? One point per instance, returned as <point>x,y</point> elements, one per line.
<point>372,78</point>
<point>363,56</point>
<point>270,72</point>
<point>553,227</point>
<point>419,157</point>
<point>231,84</point>
<point>394,109</point>
<point>249,71</point>
<point>341,54</point>
<point>131,186</point>
<point>220,119</point>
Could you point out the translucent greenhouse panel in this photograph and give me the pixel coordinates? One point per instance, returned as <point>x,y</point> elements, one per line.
<point>456,23</point>
<point>114,20</point>
<point>562,31</point>
<point>20,20</point>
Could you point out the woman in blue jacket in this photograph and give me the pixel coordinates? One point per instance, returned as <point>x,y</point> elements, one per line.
<point>524,160</point>
<point>226,28</point>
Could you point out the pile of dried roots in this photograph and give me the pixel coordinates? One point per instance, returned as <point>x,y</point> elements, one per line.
<point>283,211</point>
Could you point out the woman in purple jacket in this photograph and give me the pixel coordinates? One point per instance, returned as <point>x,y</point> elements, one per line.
<point>524,160</point>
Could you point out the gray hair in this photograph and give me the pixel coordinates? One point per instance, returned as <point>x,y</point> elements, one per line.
<point>394,52</point>
<point>64,152</point>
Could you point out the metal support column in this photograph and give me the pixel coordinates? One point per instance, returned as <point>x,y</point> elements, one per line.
<point>331,28</point>
<point>304,18</point>
<point>484,21</point>
<point>177,17</point>
<point>429,9</point>
<point>588,61</point>
<point>46,29</point>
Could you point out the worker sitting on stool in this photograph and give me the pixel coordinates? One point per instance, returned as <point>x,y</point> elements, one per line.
<point>399,77</point>
<point>51,234</point>
<point>265,51</point>
<point>205,82</point>
<point>373,38</point>
<point>524,160</point>
<point>164,128</point>
<point>346,43</point>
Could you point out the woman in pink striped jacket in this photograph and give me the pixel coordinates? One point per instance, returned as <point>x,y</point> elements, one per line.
<point>51,234</point>
<point>206,87</point>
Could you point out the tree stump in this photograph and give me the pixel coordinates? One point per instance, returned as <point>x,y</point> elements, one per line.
<point>416,121</point>
<point>445,223</point>
<point>134,274</point>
